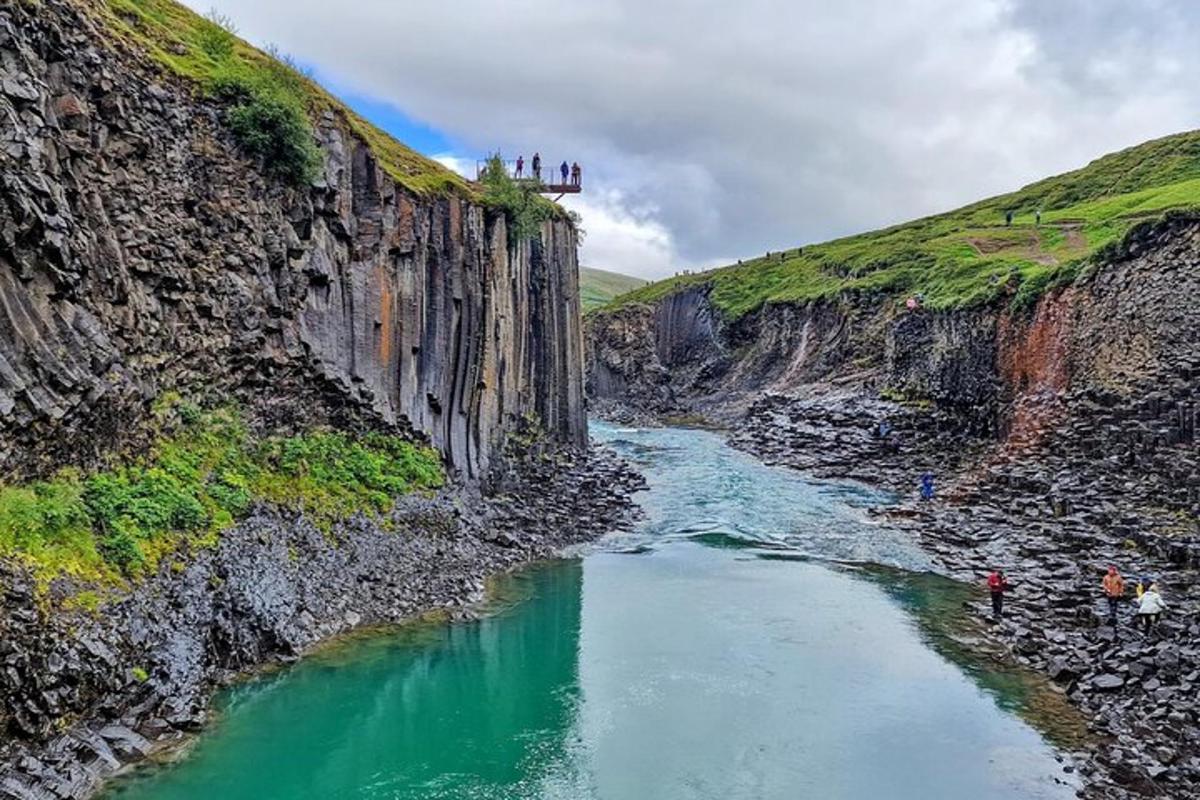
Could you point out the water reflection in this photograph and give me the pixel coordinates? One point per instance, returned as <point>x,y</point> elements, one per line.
<point>456,711</point>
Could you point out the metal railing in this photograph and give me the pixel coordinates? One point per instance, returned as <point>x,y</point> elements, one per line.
<point>549,175</point>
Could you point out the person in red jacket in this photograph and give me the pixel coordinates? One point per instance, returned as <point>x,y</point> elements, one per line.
<point>997,585</point>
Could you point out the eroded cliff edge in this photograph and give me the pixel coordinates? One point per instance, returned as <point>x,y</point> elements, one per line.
<point>141,253</point>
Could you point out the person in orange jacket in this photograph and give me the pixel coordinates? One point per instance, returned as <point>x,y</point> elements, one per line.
<point>1114,590</point>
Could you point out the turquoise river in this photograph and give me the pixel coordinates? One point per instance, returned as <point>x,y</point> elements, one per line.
<point>755,636</point>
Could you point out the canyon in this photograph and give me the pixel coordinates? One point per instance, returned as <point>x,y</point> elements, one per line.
<point>155,268</point>
<point>1061,436</point>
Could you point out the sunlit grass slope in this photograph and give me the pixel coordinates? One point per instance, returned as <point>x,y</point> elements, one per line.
<point>598,287</point>
<point>970,257</point>
<point>199,49</point>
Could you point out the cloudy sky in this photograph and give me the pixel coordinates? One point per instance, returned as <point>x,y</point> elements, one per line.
<point>709,131</point>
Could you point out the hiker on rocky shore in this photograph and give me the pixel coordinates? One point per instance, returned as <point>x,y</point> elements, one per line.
<point>1140,589</point>
<point>997,586</point>
<point>1114,590</point>
<point>927,486</point>
<point>1151,607</point>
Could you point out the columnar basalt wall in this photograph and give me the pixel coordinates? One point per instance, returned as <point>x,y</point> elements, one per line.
<point>1092,395</point>
<point>679,354</point>
<point>1128,330</point>
<point>141,254</point>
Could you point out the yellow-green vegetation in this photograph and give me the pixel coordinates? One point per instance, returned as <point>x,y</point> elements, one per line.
<point>524,209</point>
<point>200,477</point>
<point>971,257</point>
<point>272,102</point>
<point>598,287</point>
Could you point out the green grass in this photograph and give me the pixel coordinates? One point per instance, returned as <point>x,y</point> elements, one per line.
<point>191,46</point>
<point>598,287</point>
<point>969,257</point>
<point>201,477</point>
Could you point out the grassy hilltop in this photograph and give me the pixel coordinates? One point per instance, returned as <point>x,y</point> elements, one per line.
<point>598,287</point>
<point>275,100</point>
<point>970,257</point>
<point>270,104</point>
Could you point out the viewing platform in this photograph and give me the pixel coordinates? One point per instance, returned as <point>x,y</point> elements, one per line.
<point>547,180</point>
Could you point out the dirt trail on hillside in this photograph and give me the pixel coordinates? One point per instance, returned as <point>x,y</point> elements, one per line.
<point>1031,248</point>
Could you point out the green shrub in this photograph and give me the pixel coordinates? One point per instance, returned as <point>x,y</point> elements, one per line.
<point>120,546</point>
<point>279,135</point>
<point>216,36</point>
<point>269,119</point>
<point>47,524</point>
<point>189,413</point>
<point>524,210</point>
<point>198,481</point>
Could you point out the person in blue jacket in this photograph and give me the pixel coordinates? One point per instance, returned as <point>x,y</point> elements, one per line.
<point>926,486</point>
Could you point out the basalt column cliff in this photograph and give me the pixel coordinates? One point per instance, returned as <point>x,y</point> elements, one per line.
<point>141,253</point>
<point>168,294</point>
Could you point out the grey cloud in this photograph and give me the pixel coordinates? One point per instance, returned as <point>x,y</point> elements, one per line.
<point>753,125</point>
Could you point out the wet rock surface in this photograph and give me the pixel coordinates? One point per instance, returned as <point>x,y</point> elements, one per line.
<point>84,693</point>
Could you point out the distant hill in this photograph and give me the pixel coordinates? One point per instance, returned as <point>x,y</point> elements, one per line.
<point>972,256</point>
<point>597,287</point>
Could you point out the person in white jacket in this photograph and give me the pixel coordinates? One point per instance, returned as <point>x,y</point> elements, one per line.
<point>1151,607</point>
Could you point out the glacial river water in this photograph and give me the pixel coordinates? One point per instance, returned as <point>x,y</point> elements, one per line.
<point>734,645</point>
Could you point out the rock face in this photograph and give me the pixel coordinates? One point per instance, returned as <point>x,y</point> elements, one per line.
<point>140,254</point>
<point>1117,353</point>
<point>679,355</point>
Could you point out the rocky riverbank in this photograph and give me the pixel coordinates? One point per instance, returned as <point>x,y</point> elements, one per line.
<point>1010,508</point>
<point>88,691</point>
<point>1062,438</point>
